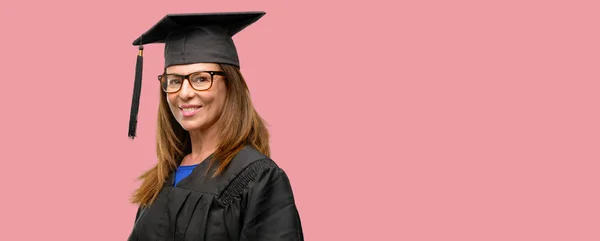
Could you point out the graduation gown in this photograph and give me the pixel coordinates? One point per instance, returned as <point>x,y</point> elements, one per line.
<point>251,200</point>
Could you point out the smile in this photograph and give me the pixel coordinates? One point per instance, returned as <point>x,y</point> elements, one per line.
<point>188,111</point>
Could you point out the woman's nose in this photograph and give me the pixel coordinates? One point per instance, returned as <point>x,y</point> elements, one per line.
<point>186,90</point>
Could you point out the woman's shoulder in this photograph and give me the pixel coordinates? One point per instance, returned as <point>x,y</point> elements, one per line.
<point>249,158</point>
<point>246,170</point>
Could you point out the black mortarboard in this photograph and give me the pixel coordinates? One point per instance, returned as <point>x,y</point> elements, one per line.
<point>191,38</point>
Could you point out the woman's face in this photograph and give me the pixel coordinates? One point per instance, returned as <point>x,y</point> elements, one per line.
<point>197,110</point>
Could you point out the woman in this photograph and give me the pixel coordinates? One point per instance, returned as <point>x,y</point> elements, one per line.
<point>214,179</point>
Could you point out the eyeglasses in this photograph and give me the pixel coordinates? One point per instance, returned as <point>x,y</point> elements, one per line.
<point>201,80</point>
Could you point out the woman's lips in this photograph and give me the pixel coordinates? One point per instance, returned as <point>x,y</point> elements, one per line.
<point>189,110</point>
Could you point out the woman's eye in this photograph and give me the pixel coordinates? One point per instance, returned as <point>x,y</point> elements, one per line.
<point>199,79</point>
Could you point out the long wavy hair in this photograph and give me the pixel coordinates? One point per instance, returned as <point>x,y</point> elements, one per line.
<point>239,125</point>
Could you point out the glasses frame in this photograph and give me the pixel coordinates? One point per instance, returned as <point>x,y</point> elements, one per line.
<point>187,77</point>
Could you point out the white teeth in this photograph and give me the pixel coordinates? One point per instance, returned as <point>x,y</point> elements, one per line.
<point>189,109</point>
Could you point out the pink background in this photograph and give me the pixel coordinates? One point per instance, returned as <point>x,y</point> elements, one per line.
<point>436,120</point>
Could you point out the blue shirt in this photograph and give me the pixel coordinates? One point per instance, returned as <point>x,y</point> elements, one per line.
<point>182,172</point>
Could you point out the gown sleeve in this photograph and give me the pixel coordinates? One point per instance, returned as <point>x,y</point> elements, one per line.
<point>137,214</point>
<point>271,212</point>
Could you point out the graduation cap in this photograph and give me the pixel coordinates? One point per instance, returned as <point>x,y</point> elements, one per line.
<point>191,38</point>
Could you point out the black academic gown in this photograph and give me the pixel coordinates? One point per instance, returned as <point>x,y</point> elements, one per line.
<point>251,201</point>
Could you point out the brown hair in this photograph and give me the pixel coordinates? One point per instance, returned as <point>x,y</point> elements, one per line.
<point>244,126</point>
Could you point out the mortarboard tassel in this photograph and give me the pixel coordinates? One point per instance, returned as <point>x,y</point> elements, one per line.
<point>137,89</point>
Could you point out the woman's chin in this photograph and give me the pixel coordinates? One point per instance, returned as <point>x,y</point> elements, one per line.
<point>196,124</point>
<point>193,125</point>
<point>190,126</point>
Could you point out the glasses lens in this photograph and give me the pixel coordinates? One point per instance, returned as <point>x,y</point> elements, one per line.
<point>200,81</point>
<point>171,83</point>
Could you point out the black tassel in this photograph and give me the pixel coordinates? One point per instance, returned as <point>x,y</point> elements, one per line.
<point>137,89</point>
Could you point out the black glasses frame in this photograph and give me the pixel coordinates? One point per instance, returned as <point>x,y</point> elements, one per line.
<point>184,77</point>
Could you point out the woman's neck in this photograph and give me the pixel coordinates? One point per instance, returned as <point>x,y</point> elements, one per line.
<point>204,143</point>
